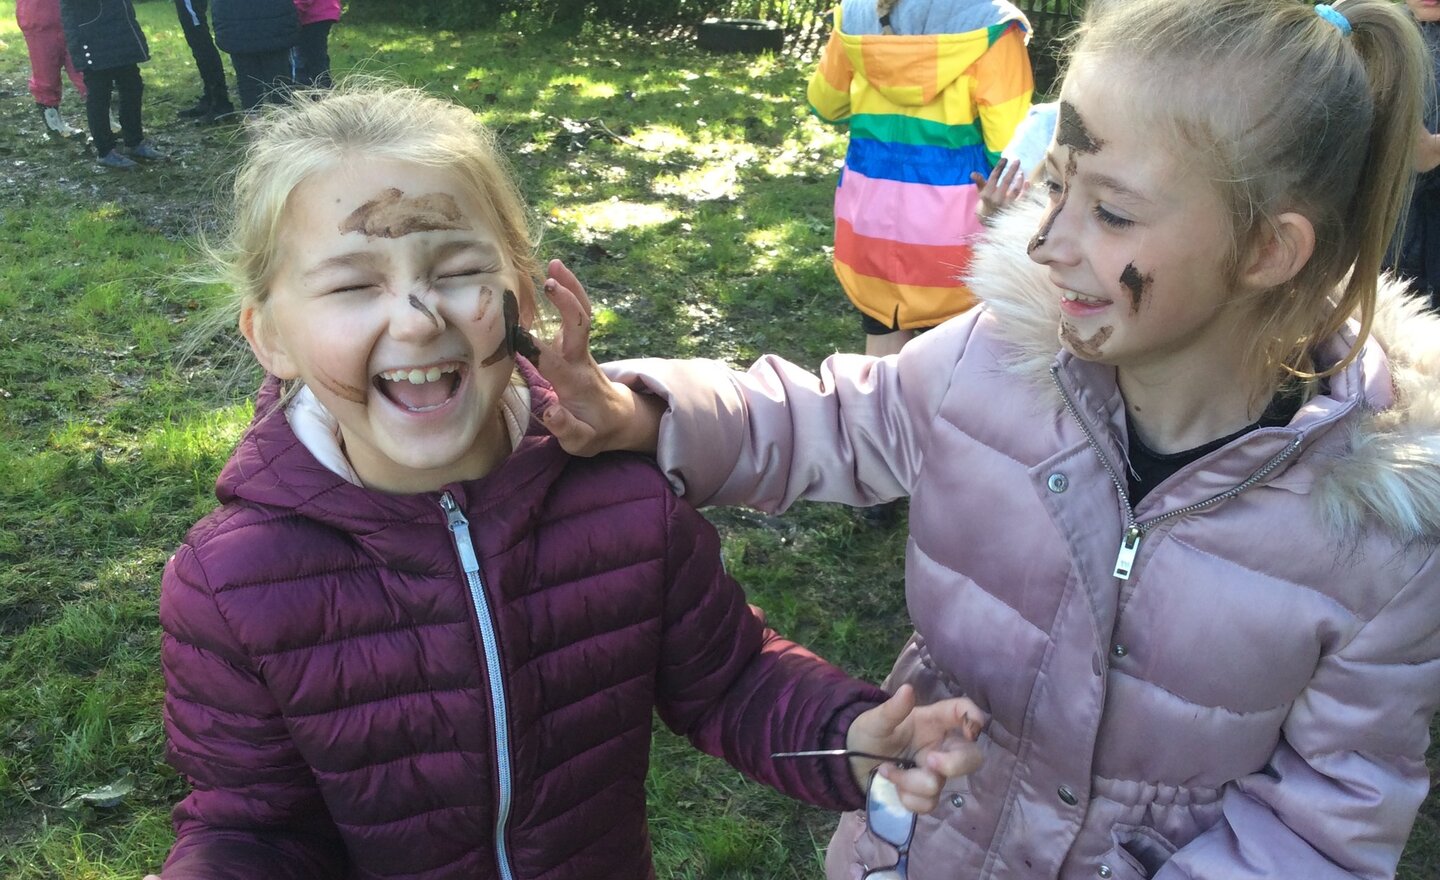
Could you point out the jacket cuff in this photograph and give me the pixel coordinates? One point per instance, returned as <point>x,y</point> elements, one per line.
<point>838,778</point>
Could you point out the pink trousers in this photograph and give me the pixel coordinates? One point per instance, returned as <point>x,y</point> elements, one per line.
<point>47,58</point>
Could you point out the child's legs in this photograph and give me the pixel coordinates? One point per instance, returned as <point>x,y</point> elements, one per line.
<point>132,91</point>
<point>196,27</point>
<point>313,54</point>
<point>881,340</point>
<point>259,74</point>
<point>98,84</point>
<point>47,56</point>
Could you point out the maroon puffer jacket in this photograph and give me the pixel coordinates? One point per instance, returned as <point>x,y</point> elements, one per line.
<point>348,702</point>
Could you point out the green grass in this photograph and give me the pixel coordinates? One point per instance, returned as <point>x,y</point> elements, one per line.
<point>691,192</point>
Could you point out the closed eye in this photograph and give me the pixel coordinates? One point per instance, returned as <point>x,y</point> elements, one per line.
<point>1114,221</point>
<point>469,272</point>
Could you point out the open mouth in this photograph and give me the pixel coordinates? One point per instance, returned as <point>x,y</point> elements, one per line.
<point>1082,299</point>
<point>420,389</point>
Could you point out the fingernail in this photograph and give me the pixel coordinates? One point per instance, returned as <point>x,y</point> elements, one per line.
<point>549,285</point>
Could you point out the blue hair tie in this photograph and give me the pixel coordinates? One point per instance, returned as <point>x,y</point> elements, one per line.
<point>1333,15</point>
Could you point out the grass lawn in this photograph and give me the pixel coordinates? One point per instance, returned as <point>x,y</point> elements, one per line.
<point>690,191</point>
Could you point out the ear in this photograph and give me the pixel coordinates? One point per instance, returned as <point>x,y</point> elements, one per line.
<point>266,343</point>
<point>1280,250</point>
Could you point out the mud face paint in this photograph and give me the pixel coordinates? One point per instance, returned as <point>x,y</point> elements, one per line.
<point>1049,221</point>
<point>1137,284</point>
<point>392,215</point>
<point>419,306</point>
<point>342,390</point>
<point>517,339</point>
<point>1089,349</point>
<point>487,296</point>
<point>1071,131</point>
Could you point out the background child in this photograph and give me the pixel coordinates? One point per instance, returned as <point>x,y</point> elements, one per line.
<point>107,44</point>
<point>1175,508</point>
<point>931,90</point>
<point>259,35</point>
<point>214,102</point>
<point>312,46</point>
<point>418,638</point>
<point>1416,252</point>
<point>39,21</point>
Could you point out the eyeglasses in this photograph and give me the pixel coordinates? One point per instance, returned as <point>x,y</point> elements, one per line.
<point>887,817</point>
<point>891,822</point>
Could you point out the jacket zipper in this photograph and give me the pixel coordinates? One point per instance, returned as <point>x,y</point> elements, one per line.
<point>460,531</point>
<point>1134,531</point>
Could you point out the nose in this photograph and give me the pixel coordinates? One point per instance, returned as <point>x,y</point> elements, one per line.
<point>1054,241</point>
<point>415,314</point>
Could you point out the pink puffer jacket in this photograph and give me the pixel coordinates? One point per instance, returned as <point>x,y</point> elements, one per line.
<point>460,684</point>
<point>312,11</point>
<point>1253,702</point>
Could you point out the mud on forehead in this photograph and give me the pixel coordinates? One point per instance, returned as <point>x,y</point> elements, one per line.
<point>393,214</point>
<point>1071,131</point>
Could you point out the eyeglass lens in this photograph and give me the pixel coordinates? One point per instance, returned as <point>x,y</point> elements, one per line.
<point>891,822</point>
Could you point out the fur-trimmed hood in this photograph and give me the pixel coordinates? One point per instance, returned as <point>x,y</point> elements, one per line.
<point>1390,471</point>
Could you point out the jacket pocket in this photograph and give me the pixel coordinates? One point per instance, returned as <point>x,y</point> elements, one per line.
<point>1139,852</point>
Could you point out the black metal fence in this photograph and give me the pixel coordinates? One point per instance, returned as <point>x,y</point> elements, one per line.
<point>807,23</point>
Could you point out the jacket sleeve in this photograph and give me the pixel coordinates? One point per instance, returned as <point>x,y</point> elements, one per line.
<point>1341,792</point>
<point>1004,85</point>
<point>254,809</point>
<point>856,433</point>
<point>739,691</point>
<point>829,89</point>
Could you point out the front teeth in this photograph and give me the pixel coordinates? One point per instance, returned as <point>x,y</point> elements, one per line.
<point>1072,296</point>
<point>418,377</point>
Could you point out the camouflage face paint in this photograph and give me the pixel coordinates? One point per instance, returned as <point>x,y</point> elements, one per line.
<point>487,296</point>
<point>419,306</point>
<point>517,339</point>
<point>1055,210</point>
<point>1137,284</point>
<point>1071,132</point>
<point>342,390</point>
<point>1089,349</point>
<point>392,215</point>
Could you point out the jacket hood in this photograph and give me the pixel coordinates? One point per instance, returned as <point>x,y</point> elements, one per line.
<point>1385,468</point>
<point>273,467</point>
<point>933,44</point>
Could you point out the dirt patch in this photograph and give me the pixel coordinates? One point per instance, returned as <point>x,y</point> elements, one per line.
<point>173,197</point>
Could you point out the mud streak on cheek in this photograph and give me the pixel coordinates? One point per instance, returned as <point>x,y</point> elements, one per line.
<point>517,338</point>
<point>1089,349</point>
<point>1137,284</point>
<point>342,390</point>
<point>1072,132</point>
<point>416,304</point>
<point>487,297</point>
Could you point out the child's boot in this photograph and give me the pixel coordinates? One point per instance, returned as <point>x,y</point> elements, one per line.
<point>200,108</point>
<point>146,151</point>
<point>55,124</point>
<point>116,159</point>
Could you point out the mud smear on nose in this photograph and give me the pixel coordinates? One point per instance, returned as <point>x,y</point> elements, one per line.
<point>419,306</point>
<point>1072,132</point>
<point>1089,349</point>
<point>392,215</point>
<point>342,390</point>
<point>1045,227</point>
<point>517,339</point>
<point>1137,284</point>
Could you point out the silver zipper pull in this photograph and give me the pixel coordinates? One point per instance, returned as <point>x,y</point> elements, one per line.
<point>1129,546</point>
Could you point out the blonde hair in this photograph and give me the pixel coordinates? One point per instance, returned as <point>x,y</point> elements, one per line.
<point>1292,115</point>
<point>360,117</point>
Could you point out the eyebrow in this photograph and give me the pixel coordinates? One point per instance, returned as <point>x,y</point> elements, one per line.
<point>1105,181</point>
<point>456,245</point>
<point>343,261</point>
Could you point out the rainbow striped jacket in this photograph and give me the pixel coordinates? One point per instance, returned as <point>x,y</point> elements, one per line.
<point>925,110</point>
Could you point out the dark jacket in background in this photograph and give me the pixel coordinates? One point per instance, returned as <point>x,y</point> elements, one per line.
<point>103,34</point>
<point>252,26</point>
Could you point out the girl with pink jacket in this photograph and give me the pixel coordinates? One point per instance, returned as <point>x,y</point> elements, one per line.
<point>1175,484</point>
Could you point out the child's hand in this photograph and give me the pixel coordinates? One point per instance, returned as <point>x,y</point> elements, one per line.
<point>594,415</point>
<point>940,738</point>
<point>1004,185</point>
